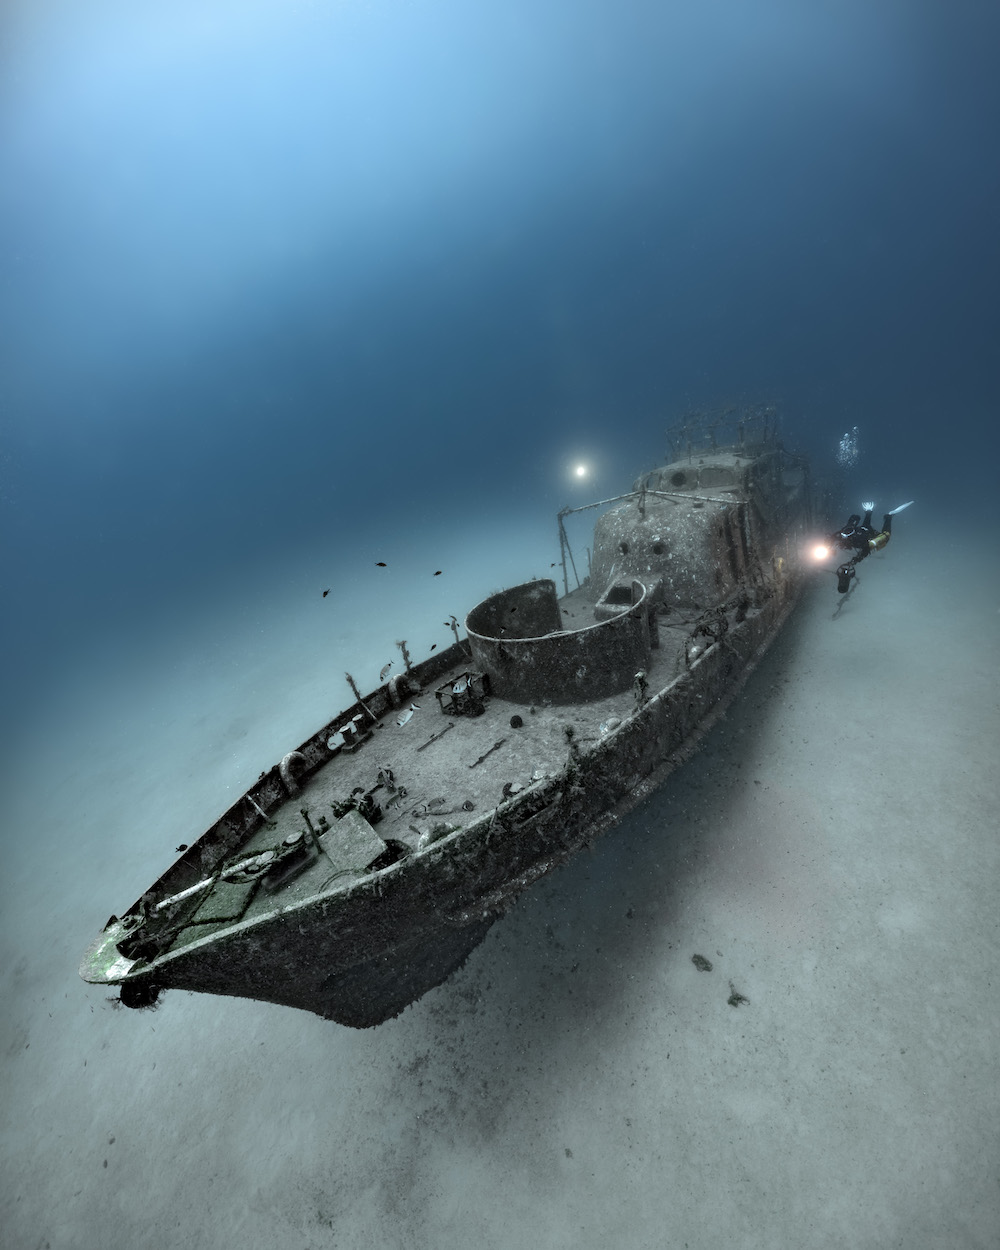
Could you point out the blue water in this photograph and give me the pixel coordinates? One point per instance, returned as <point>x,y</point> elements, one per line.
<point>289,290</point>
<point>294,279</point>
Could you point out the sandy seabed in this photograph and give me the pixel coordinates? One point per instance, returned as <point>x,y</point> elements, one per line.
<point>832,1080</point>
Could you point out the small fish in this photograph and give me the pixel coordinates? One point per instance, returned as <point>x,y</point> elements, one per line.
<point>433,646</point>
<point>183,847</point>
<point>380,564</point>
<point>438,573</point>
<point>552,566</point>
<point>325,593</point>
<point>405,716</point>
<point>384,670</point>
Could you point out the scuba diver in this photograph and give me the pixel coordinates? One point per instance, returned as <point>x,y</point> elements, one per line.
<point>859,536</point>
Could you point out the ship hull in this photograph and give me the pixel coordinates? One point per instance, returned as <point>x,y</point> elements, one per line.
<point>362,960</point>
<point>553,719</point>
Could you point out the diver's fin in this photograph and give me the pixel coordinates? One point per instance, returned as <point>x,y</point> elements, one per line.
<point>900,508</point>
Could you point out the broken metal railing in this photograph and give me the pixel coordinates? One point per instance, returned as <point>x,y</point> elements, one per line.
<point>738,426</point>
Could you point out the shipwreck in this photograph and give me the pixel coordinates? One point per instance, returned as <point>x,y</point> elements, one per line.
<point>363,868</point>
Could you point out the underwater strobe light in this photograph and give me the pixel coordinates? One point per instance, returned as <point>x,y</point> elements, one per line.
<point>579,470</point>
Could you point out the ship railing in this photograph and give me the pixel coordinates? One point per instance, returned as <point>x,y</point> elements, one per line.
<point>745,428</point>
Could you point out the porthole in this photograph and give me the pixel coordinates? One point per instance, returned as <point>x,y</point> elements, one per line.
<point>678,479</point>
<point>657,549</point>
<point>623,548</point>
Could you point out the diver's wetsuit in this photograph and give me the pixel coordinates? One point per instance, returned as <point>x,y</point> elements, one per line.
<point>859,536</point>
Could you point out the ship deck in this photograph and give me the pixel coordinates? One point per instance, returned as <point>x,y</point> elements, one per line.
<point>445,769</point>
